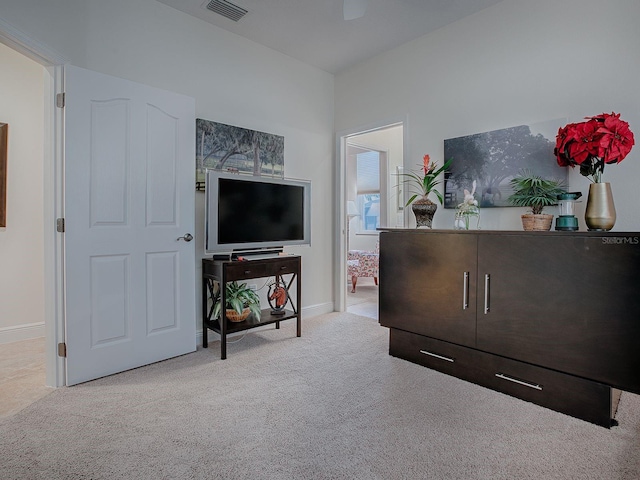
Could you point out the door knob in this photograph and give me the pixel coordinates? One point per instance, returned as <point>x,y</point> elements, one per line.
<point>187,237</point>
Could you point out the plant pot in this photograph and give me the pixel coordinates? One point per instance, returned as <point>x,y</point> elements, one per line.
<point>234,316</point>
<point>540,222</point>
<point>424,210</point>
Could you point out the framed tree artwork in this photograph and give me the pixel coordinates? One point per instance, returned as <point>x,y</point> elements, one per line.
<point>4,136</point>
<point>236,149</point>
<point>492,159</point>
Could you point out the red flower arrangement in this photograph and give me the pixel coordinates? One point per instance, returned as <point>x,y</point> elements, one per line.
<point>592,144</point>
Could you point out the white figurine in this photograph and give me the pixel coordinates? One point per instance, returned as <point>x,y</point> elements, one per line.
<point>466,209</point>
<point>469,199</point>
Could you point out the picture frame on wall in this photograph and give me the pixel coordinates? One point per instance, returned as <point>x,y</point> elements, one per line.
<point>4,146</point>
<point>239,150</point>
<point>493,158</point>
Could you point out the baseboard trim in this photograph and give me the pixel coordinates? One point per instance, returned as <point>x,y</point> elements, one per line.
<point>28,331</point>
<point>319,309</point>
<point>19,333</point>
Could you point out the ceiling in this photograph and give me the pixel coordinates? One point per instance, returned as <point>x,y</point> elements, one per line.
<point>315,32</point>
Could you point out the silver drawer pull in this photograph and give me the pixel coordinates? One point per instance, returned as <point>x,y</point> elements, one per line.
<point>465,291</point>
<point>487,279</point>
<point>519,382</point>
<point>438,356</point>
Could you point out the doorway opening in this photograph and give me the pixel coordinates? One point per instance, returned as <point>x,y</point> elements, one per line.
<point>372,198</point>
<point>22,326</point>
<point>49,161</point>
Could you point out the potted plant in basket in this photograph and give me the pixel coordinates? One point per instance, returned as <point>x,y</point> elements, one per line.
<point>423,185</point>
<point>240,302</point>
<point>535,192</point>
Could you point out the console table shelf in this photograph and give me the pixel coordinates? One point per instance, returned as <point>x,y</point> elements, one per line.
<point>265,319</point>
<point>286,268</point>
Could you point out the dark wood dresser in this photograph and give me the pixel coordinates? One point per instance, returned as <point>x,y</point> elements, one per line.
<point>548,317</point>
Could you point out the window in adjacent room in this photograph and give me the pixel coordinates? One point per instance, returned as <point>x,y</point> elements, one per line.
<point>370,169</point>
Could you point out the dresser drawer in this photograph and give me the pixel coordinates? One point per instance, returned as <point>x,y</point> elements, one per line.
<point>429,352</point>
<point>282,267</point>
<point>246,270</point>
<point>575,396</point>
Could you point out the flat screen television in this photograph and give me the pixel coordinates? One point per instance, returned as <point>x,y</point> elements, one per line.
<point>250,214</point>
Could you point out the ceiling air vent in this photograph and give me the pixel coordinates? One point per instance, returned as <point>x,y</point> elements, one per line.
<point>227,9</point>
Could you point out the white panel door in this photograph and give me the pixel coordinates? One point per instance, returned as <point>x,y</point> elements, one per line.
<point>129,201</point>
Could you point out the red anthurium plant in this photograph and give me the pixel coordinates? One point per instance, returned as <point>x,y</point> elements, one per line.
<point>425,182</point>
<point>592,144</point>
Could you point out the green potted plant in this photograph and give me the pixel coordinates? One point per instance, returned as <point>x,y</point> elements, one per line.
<point>240,301</point>
<point>535,192</point>
<point>422,184</point>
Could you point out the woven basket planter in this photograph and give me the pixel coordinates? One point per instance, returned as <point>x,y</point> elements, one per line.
<point>234,316</point>
<point>536,222</point>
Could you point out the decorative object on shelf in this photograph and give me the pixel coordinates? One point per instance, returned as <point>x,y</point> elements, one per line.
<point>234,316</point>
<point>600,140</point>
<point>240,302</point>
<point>600,214</point>
<point>424,211</point>
<point>566,220</point>
<point>535,192</point>
<point>277,296</point>
<point>467,210</point>
<point>423,185</point>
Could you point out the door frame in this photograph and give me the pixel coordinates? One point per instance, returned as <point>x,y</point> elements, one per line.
<point>340,240</point>
<point>53,185</point>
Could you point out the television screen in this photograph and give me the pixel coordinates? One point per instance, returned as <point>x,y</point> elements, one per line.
<point>246,212</point>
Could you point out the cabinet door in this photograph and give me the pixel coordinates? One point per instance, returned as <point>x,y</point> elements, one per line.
<point>570,303</point>
<point>428,284</point>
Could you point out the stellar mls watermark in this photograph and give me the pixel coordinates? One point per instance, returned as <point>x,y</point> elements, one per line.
<point>620,240</point>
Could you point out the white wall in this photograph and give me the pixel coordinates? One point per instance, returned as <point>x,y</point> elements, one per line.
<point>518,62</point>
<point>233,80</point>
<point>21,241</point>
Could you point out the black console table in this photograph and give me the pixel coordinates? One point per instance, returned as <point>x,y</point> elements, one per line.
<point>286,268</point>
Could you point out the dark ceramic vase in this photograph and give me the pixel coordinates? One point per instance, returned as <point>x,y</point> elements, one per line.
<point>424,210</point>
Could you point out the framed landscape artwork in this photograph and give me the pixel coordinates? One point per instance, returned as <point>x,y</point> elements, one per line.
<point>493,158</point>
<point>235,149</point>
<point>4,137</point>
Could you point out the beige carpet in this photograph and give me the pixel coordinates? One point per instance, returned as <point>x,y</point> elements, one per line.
<point>22,375</point>
<point>364,301</point>
<point>329,405</point>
